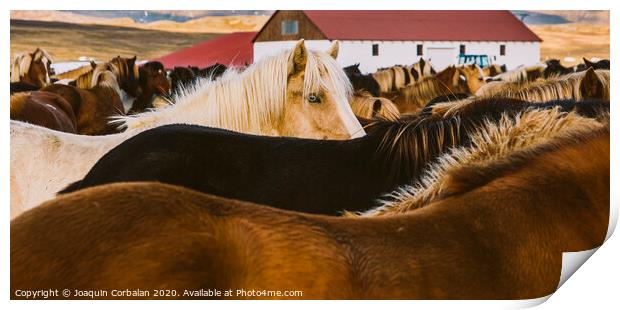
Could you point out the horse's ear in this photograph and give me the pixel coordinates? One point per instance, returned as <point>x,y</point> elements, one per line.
<point>422,62</point>
<point>376,107</point>
<point>591,86</point>
<point>134,57</point>
<point>333,49</point>
<point>587,62</point>
<point>298,58</point>
<point>93,64</point>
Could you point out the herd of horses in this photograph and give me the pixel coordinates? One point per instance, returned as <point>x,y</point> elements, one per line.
<point>296,174</point>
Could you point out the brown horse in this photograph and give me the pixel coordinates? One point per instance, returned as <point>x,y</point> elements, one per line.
<point>93,107</point>
<point>452,80</point>
<point>44,109</point>
<point>498,231</point>
<point>33,68</point>
<point>153,82</point>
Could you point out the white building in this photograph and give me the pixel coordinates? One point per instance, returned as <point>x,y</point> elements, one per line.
<point>378,39</point>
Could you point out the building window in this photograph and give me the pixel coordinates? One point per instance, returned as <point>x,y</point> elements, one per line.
<point>502,50</point>
<point>290,27</point>
<point>375,49</point>
<point>420,49</point>
<point>462,49</point>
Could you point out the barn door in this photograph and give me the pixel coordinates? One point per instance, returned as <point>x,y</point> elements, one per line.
<point>441,57</point>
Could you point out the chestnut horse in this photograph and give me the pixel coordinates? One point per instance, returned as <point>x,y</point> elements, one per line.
<point>153,82</point>
<point>44,109</point>
<point>452,80</point>
<point>127,77</point>
<point>94,107</point>
<point>297,93</point>
<point>497,231</point>
<point>318,176</point>
<point>33,68</point>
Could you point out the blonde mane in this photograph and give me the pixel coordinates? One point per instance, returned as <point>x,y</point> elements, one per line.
<point>251,101</point>
<point>520,74</point>
<point>20,66</point>
<point>492,142</point>
<point>562,87</point>
<point>424,90</point>
<point>362,104</point>
<point>87,80</point>
<point>75,73</point>
<point>22,61</point>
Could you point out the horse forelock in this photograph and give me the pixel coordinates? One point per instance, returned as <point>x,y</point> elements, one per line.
<point>493,141</point>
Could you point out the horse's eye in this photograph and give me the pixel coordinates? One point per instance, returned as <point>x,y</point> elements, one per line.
<point>313,98</point>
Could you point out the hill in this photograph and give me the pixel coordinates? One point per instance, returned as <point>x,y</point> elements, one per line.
<point>206,24</point>
<point>66,41</point>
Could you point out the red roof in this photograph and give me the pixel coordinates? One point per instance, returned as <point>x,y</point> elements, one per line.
<point>409,25</point>
<point>233,49</point>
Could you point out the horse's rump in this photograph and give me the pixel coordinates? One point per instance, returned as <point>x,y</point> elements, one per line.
<point>553,201</point>
<point>44,109</point>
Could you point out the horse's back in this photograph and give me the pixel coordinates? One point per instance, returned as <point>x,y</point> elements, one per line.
<point>44,109</point>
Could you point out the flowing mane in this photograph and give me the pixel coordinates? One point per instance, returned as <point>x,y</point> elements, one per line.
<point>249,101</point>
<point>20,66</point>
<point>492,142</point>
<point>88,79</point>
<point>22,61</point>
<point>75,73</point>
<point>522,74</point>
<point>422,91</point>
<point>561,87</point>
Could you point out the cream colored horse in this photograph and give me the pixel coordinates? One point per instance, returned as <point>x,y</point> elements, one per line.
<point>295,93</point>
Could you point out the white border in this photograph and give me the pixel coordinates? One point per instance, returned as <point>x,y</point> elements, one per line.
<point>594,284</point>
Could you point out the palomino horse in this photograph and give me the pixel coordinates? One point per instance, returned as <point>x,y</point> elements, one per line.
<point>452,80</point>
<point>463,245</point>
<point>421,69</point>
<point>153,82</point>
<point>366,106</point>
<point>493,70</point>
<point>33,68</point>
<point>75,73</point>
<point>93,107</point>
<point>395,77</point>
<point>521,74</point>
<point>589,84</point>
<point>44,109</point>
<point>279,172</point>
<point>295,93</point>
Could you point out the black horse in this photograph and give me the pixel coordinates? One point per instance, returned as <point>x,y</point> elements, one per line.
<point>181,77</point>
<point>361,81</point>
<point>603,64</point>
<point>555,68</point>
<point>316,176</point>
<point>214,71</point>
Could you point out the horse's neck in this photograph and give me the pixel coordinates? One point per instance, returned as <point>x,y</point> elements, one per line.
<point>426,90</point>
<point>205,107</point>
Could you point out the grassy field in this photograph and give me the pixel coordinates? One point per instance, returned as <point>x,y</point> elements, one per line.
<point>573,40</point>
<point>70,41</point>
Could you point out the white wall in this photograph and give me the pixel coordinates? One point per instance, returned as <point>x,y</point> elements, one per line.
<point>442,53</point>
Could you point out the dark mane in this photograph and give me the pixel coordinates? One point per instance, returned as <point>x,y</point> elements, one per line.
<point>412,142</point>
